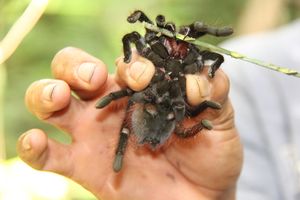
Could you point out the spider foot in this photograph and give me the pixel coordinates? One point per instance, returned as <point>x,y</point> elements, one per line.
<point>123,139</point>
<point>104,102</point>
<point>118,163</point>
<point>134,17</point>
<point>211,71</point>
<point>138,15</point>
<point>224,31</point>
<point>183,132</point>
<point>213,105</point>
<point>217,59</point>
<point>194,111</point>
<point>160,21</point>
<point>127,59</point>
<point>207,124</point>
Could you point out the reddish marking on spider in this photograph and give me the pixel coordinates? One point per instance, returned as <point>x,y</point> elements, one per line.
<point>177,49</point>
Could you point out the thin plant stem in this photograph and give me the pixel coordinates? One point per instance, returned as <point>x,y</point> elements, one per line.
<point>217,49</point>
<point>2,138</point>
<point>21,28</point>
<point>8,46</point>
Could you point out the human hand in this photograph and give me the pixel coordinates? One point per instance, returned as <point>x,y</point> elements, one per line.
<point>203,167</point>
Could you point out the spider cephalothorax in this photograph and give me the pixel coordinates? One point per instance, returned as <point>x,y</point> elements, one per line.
<point>159,109</point>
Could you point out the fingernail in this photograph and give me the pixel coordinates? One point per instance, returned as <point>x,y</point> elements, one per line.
<point>26,144</point>
<point>137,69</point>
<point>203,86</point>
<point>48,92</point>
<point>85,71</point>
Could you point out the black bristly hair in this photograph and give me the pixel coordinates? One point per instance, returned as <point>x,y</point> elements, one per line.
<point>162,105</point>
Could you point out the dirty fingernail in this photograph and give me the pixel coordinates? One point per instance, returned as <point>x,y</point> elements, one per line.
<point>85,71</point>
<point>137,69</point>
<point>48,92</point>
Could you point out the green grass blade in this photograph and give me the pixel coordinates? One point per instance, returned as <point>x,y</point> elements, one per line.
<point>237,55</point>
<point>217,49</point>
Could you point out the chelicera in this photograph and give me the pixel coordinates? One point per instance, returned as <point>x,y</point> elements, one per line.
<point>158,110</point>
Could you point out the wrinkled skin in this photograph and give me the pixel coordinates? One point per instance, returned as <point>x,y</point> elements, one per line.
<point>206,166</point>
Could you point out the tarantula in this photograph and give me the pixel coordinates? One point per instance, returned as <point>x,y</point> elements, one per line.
<point>159,109</point>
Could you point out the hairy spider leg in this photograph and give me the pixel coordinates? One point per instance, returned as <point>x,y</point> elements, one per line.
<point>178,103</point>
<point>183,132</point>
<point>138,15</point>
<point>122,144</point>
<point>193,62</point>
<point>155,55</point>
<point>198,29</point>
<point>133,37</point>
<point>219,32</point>
<point>151,36</point>
<point>158,49</point>
<point>156,45</point>
<point>123,140</point>
<point>171,27</point>
<point>195,110</point>
<point>218,59</point>
<point>160,21</point>
<point>158,76</point>
<point>173,67</point>
<point>104,101</point>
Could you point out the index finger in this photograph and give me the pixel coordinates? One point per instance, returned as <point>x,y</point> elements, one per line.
<point>200,87</point>
<point>84,73</point>
<point>137,74</point>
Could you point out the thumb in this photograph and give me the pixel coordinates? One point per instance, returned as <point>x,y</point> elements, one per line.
<point>137,74</point>
<point>43,153</point>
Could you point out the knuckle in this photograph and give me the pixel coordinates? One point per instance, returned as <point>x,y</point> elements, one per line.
<point>62,58</point>
<point>65,51</point>
<point>37,96</point>
<point>32,92</point>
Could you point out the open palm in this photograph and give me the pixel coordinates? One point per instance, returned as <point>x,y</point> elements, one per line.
<point>203,167</point>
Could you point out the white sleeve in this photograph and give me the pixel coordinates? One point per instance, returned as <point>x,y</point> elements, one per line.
<point>258,178</point>
<point>267,114</point>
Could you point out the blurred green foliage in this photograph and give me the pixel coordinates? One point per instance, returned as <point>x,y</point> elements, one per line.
<point>96,26</point>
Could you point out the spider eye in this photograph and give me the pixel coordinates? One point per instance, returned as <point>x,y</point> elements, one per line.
<point>170,116</point>
<point>151,110</point>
